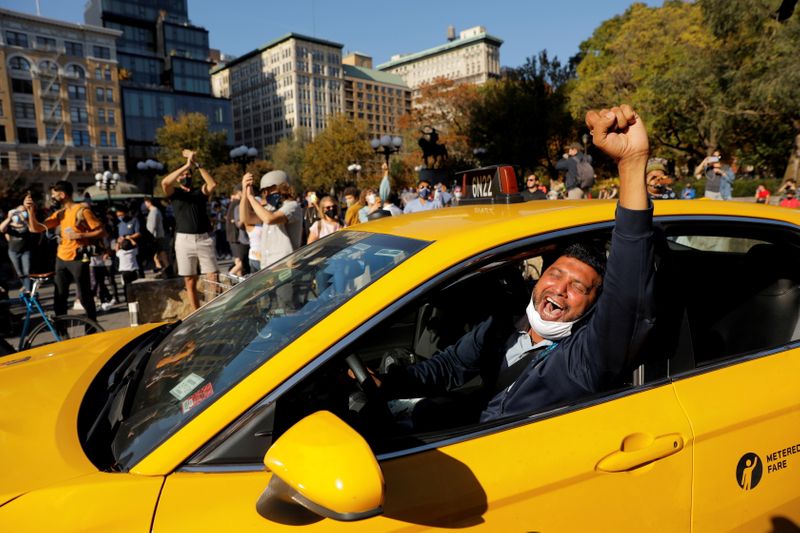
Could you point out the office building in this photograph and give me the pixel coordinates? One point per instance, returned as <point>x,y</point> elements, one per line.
<point>473,57</point>
<point>293,83</point>
<point>379,98</point>
<point>60,113</point>
<point>164,69</point>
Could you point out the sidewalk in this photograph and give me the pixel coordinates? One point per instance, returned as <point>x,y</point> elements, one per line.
<point>115,318</point>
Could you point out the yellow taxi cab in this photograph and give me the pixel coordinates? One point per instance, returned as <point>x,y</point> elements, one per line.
<point>257,412</point>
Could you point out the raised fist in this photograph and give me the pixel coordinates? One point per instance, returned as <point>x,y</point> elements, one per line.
<point>619,132</point>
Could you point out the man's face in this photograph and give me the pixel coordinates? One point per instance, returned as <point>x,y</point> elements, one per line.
<point>532,182</point>
<point>566,290</point>
<point>58,196</point>
<point>572,151</point>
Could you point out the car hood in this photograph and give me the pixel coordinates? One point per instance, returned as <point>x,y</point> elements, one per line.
<point>40,393</point>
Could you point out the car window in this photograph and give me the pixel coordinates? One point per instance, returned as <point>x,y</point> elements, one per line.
<point>227,339</point>
<point>741,287</point>
<point>449,308</point>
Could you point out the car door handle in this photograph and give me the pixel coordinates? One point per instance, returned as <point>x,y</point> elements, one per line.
<point>640,449</point>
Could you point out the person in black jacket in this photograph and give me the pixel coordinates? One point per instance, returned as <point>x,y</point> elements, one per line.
<point>587,320</point>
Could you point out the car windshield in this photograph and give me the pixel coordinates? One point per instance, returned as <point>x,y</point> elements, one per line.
<point>218,346</point>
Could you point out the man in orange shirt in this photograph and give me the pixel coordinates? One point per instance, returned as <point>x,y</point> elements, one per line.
<point>78,227</point>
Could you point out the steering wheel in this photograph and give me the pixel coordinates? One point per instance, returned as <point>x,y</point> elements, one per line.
<point>366,383</point>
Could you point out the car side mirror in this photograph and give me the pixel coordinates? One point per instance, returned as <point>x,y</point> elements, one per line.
<point>325,466</point>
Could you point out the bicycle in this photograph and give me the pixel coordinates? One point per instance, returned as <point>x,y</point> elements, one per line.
<point>51,329</point>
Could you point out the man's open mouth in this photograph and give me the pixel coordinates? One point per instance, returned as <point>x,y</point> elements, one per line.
<point>551,310</point>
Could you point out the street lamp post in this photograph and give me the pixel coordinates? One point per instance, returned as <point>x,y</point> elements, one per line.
<point>150,166</point>
<point>387,145</point>
<point>355,170</point>
<point>243,155</point>
<point>107,181</point>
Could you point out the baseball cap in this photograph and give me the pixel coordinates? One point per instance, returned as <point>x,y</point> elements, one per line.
<point>274,177</point>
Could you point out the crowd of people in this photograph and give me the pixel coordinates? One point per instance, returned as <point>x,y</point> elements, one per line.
<point>191,229</point>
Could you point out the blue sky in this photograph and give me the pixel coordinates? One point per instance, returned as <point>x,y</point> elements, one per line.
<point>373,28</point>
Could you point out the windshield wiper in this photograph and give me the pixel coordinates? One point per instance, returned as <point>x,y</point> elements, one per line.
<point>124,378</point>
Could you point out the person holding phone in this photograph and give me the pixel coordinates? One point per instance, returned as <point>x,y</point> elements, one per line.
<point>719,177</point>
<point>79,227</point>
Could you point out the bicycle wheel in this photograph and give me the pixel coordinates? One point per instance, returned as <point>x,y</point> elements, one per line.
<point>67,326</point>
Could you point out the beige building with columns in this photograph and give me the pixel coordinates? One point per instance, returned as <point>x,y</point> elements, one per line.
<point>473,57</point>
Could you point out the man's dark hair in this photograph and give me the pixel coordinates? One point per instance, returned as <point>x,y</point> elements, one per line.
<point>576,146</point>
<point>589,254</point>
<point>351,191</point>
<point>63,186</point>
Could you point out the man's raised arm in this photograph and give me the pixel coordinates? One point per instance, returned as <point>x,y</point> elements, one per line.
<point>620,133</point>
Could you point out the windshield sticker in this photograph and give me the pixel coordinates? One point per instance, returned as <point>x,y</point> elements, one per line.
<point>361,247</point>
<point>388,252</point>
<point>283,275</point>
<point>197,398</point>
<point>187,385</point>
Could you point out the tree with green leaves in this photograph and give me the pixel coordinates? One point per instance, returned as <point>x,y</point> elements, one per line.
<point>707,75</point>
<point>289,155</point>
<point>343,142</point>
<point>190,130</point>
<point>523,118</point>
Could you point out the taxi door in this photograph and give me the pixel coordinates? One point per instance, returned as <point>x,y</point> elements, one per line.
<point>620,464</point>
<point>746,420</point>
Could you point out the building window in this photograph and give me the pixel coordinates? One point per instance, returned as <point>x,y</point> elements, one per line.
<point>22,86</point>
<point>99,94</point>
<point>111,117</point>
<point>83,163</point>
<point>48,67</point>
<point>55,136</point>
<point>73,49</point>
<point>103,139</point>
<point>78,115</point>
<point>15,38</point>
<point>109,95</point>
<point>27,135</point>
<point>101,116</point>
<point>106,162</point>
<point>24,110</point>
<point>45,43</point>
<point>102,52</point>
<point>76,71</point>
<point>5,161</point>
<point>107,73</point>
<point>2,133</point>
<point>80,137</point>
<point>19,64</point>
<point>112,139</point>
<point>98,74</point>
<point>76,92</point>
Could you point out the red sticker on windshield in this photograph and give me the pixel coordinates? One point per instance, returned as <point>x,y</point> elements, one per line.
<point>195,399</point>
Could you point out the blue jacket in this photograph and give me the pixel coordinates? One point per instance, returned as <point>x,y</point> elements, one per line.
<point>601,349</point>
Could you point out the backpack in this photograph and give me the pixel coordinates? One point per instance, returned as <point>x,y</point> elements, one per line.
<point>585,173</point>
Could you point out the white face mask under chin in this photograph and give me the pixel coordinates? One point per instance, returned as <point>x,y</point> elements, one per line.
<point>548,329</point>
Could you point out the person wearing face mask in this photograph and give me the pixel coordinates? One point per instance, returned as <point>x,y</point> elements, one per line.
<point>328,221</point>
<point>79,227</point>
<point>372,203</point>
<point>424,201</point>
<point>282,217</point>
<point>15,229</point>
<point>587,319</point>
<point>194,241</point>
<point>354,205</point>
